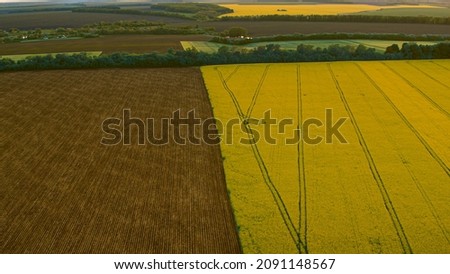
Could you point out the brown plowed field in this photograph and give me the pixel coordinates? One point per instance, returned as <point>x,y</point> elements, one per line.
<point>64,192</point>
<point>107,44</point>
<point>55,19</point>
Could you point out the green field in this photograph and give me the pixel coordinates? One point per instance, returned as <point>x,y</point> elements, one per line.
<point>18,57</point>
<point>379,45</point>
<point>434,12</point>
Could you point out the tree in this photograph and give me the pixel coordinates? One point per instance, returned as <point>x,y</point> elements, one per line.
<point>392,49</point>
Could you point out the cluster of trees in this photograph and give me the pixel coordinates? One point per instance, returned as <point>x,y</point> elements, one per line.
<point>414,51</point>
<point>342,18</point>
<point>266,54</point>
<point>232,32</point>
<point>325,36</point>
<point>102,28</point>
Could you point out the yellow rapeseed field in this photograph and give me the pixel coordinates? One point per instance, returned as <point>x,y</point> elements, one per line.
<point>386,190</point>
<point>323,9</point>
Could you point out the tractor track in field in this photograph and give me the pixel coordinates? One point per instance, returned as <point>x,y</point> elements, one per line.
<point>417,183</point>
<point>235,70</point>
<point>303,220</point>
<point>427,74</point>
<point>373,168</point>
<point>264,171</point>
<point>421,190</point>
<point>426,199</point>
<point>439,65</point>
<point>406,121</point>
<point>233,97</point>
<point>257,90</point>
<point>430,100</point>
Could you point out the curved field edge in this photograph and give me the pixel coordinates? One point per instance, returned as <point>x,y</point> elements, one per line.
<point>64,192</point>
<point>386,191</point>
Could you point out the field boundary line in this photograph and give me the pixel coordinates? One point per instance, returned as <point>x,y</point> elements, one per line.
<point>405,120</point>
<point>427,74</point>
<point>256,94</point>
<point>263,168</point>
<point>373,168</point>
<point>303,220</point>
<point>431,101</point>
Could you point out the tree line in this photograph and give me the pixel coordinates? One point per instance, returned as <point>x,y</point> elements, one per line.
<point>271,53</point>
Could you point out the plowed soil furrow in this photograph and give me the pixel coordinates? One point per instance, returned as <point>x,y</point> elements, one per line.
<point>64,192</point>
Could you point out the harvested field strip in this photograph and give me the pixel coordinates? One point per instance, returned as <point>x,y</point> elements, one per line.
<point>66,193</point>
